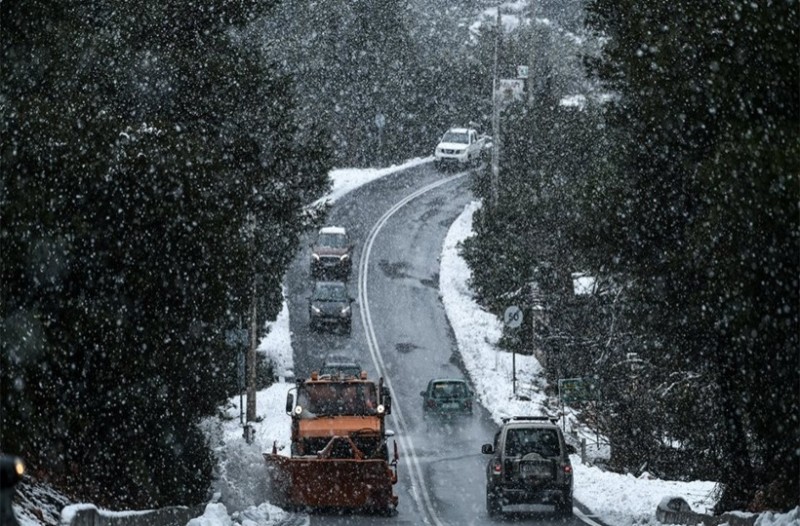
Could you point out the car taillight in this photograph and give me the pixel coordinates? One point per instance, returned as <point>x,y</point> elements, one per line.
<point>431,403</point>
<point>497,468</point>
<point>568,469</point>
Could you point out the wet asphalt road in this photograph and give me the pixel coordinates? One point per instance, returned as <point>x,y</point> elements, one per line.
<point>441,469</point>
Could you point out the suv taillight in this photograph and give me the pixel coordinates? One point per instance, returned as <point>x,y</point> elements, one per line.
<point>497,468</point>
<point>568,469</point>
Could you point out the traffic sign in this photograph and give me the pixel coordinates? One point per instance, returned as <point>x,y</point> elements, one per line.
<point>513,317</point>
<point>574,390</point>
<point>236,337</point>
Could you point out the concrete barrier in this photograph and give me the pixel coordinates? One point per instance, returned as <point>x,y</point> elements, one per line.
<point>675,510</point>
<point>90,515</point>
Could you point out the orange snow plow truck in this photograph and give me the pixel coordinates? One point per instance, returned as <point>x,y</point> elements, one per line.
<point>339,452</point>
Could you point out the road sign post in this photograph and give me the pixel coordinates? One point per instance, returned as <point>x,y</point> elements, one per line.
<point>380,122</point>
<point>237,339</point>
<point>512,318</point>
<point>576,390</point>
<point>240,372</point>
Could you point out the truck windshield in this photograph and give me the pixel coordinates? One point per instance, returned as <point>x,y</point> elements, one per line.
<point>332,240</point>
<point>456,137</point>
<point>346,398</point>
<point>523,441</point>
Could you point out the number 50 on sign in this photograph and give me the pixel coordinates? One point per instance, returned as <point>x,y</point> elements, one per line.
<point>513,317</point>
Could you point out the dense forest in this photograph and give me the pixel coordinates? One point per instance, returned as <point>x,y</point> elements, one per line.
<point>675,187</point>
<point>156,159</point>
<point>153,176</point>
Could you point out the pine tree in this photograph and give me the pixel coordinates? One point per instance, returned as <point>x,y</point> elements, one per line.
<point>138,143</point>
<point>705,222</point>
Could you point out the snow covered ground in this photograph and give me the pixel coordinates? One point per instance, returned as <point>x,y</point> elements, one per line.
<point>616,499</point>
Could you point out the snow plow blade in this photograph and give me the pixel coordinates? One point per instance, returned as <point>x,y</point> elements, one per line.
<point>311,482</point>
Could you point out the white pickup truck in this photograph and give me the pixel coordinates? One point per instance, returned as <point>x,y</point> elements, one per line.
<point>460,147</point>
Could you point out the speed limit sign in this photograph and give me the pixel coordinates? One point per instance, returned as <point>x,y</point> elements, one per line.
<point>513,317</point>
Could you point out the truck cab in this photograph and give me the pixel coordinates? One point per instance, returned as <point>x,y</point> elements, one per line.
<point>339,452</point>
<point>459,147</point>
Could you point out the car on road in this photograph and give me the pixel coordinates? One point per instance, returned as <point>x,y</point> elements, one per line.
<point>330,306</point>
<point>529,465</point>
<point>447,396</point>
<point>460,147</point>
<point>332,253</point>
<point>340,365</point>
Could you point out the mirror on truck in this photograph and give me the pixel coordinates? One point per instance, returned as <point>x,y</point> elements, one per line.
<point>11,471</point>
<point>386,400</point>
<point>289,403</point>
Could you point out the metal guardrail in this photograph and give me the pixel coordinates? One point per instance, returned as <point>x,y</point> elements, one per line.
<point>90,515</point>
<point>675,510</point>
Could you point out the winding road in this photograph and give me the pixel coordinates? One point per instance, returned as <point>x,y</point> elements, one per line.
<point>401,332</point>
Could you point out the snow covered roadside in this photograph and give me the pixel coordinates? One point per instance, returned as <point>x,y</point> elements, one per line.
<point>621,500</point>
<point>347,179</point>
<point>240,481</point>
<point>241,478</point>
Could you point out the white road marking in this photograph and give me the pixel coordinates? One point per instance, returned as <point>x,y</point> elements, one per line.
<point>419,491</point>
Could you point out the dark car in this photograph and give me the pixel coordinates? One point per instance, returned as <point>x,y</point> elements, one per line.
<point>447,396</point>
<point>529,465</point>
<point>329,306</point>
<point>332,253</point>
<point>340,365</point>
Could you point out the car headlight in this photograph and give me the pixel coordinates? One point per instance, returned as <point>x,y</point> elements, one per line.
<point>345,257</point>
<point>316,310</point>
<point>314,256</point>
<point>380,409</point>
<point>298,409</point>
<point>345,311</point>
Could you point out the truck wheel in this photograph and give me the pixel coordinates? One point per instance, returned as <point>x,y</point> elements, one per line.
<point>493,507</point>
<point>564,509</point>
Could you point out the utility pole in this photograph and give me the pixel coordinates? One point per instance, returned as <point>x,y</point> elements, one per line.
<point>532,56</point>
<point>251,358</point>
<point>495,119</point>
<point>251,350</point>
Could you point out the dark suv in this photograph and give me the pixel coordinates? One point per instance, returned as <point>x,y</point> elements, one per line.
<point>445,396</point>
<point>529,465</point>
<point>329,306</point>
<point>332,253</point>
<point>340,365</point>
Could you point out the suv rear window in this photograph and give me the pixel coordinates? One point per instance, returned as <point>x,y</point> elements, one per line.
<point>522,441</point>
<point>448,390</point>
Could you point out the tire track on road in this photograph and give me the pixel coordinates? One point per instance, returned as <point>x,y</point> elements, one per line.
<point>418,489</point>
